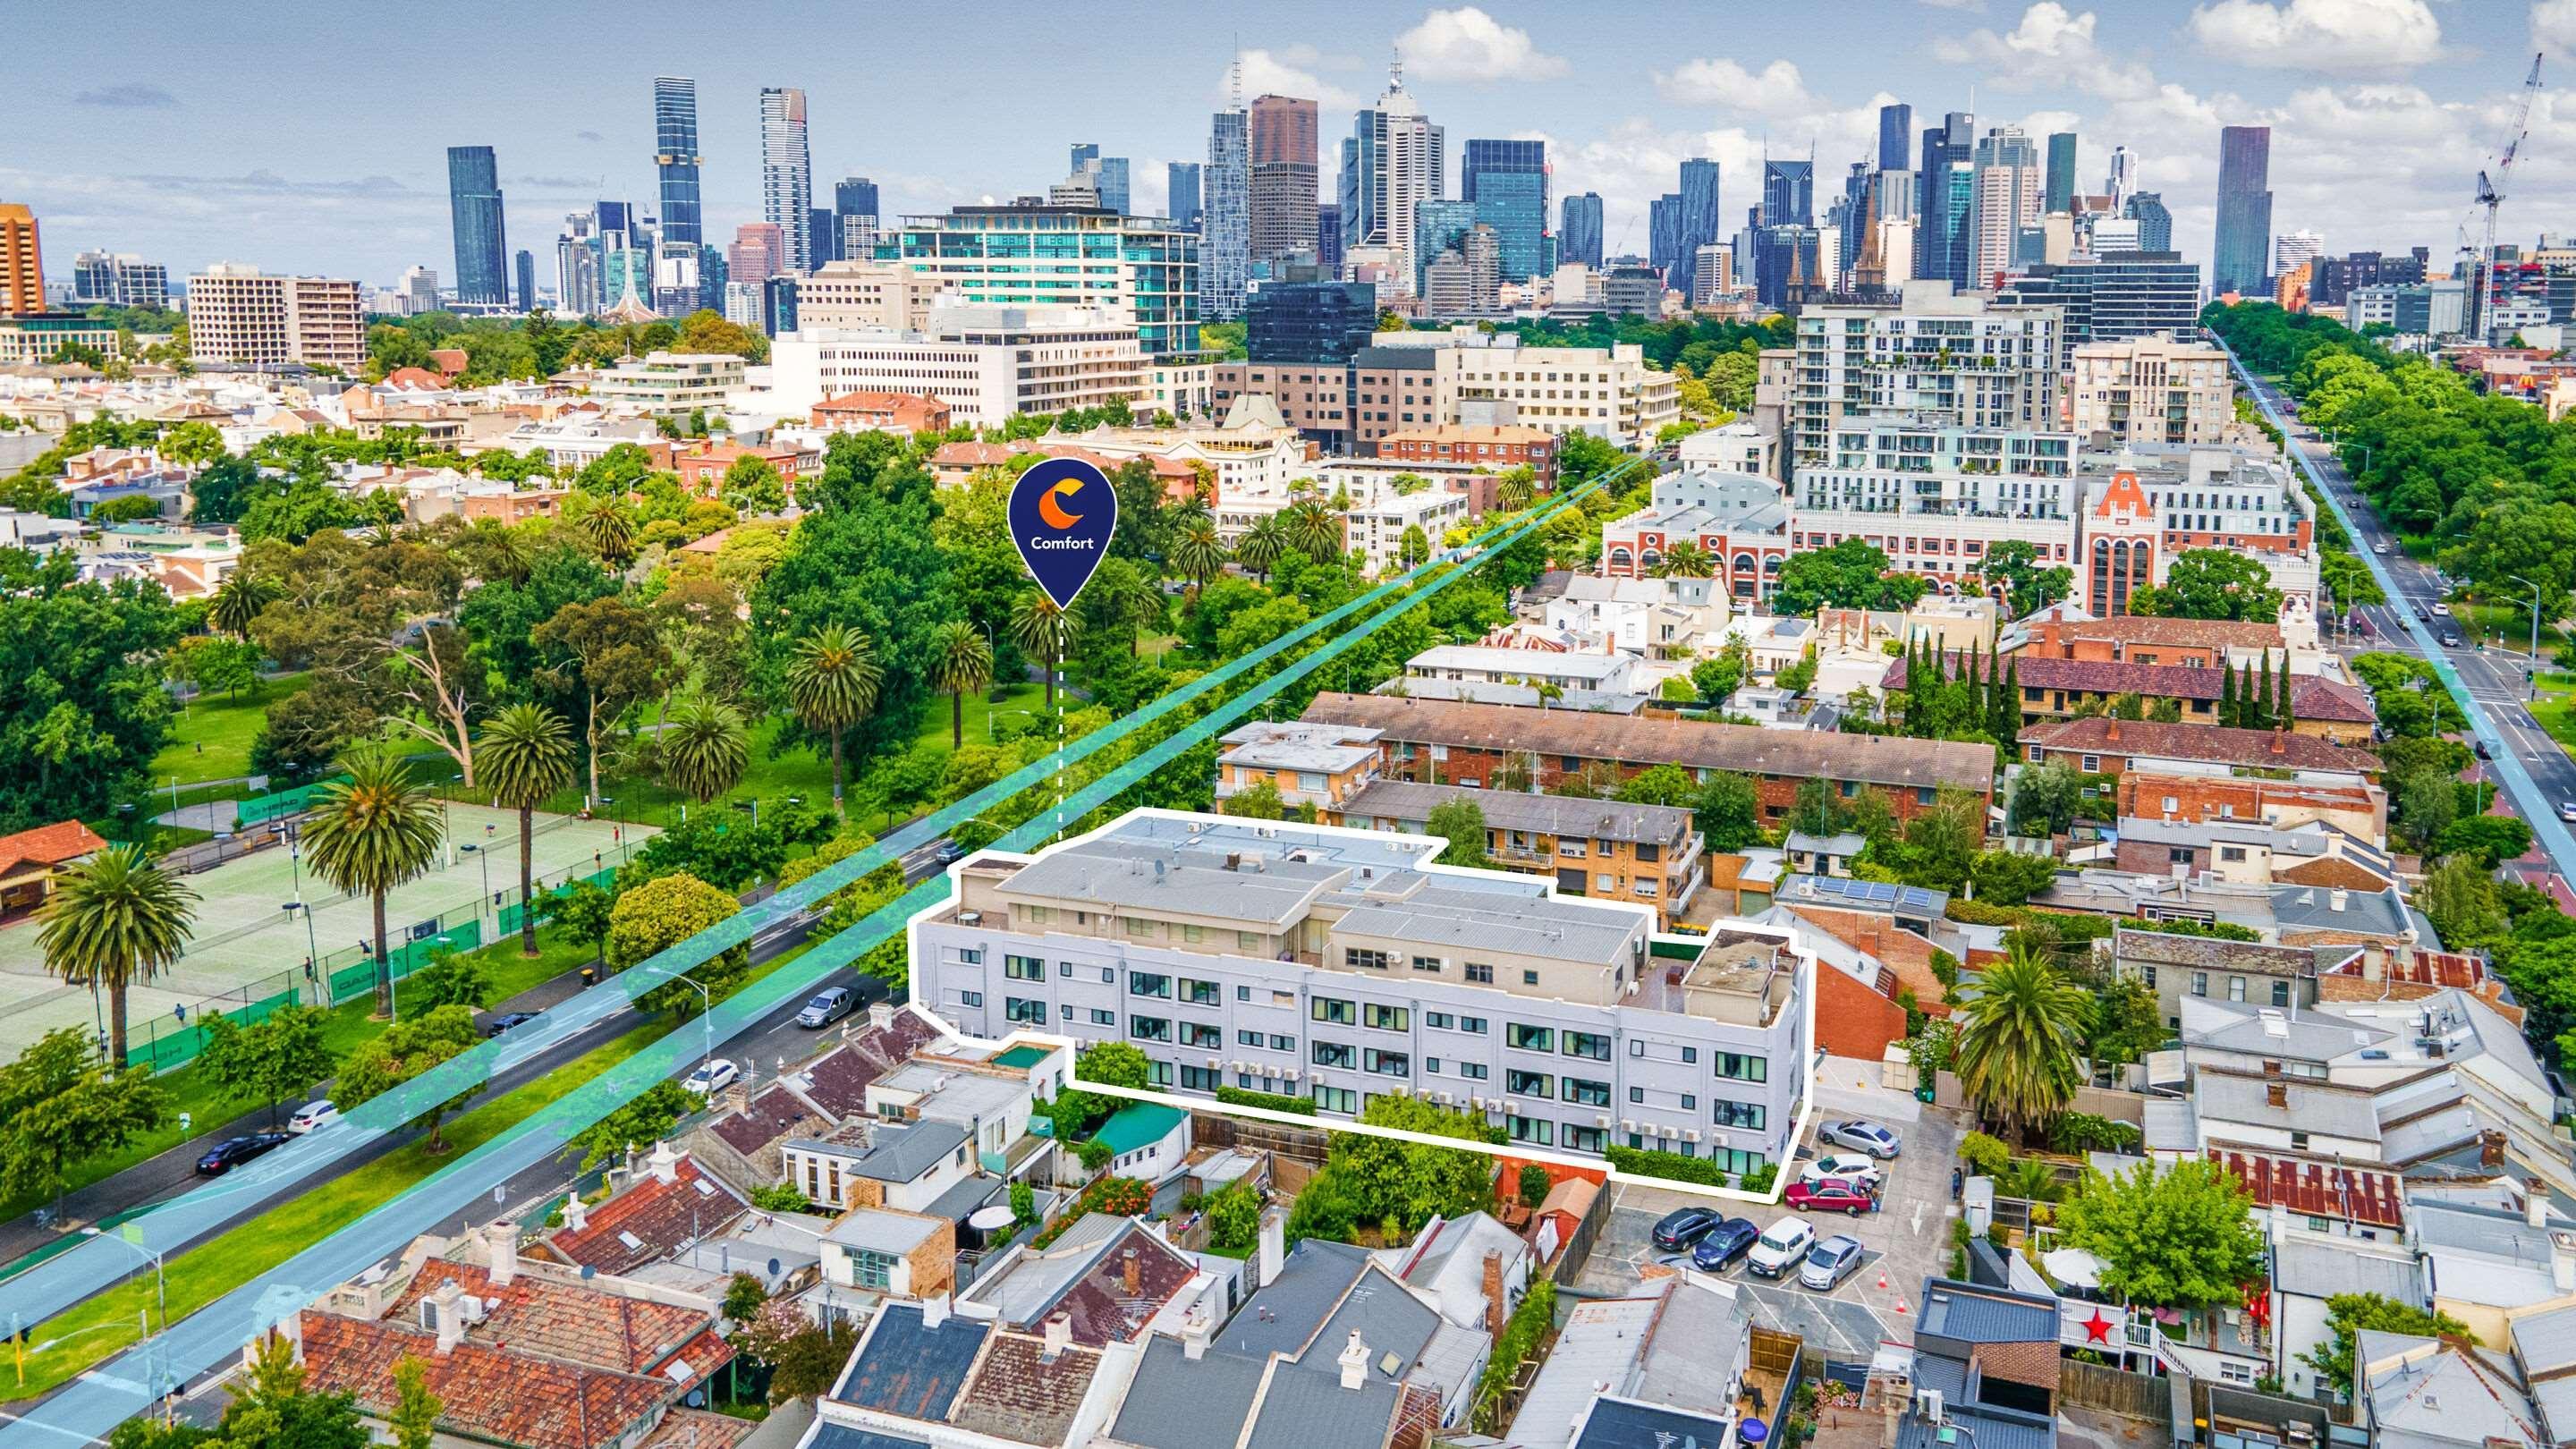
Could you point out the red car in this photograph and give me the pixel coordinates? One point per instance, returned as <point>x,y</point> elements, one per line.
<point>1831,1195</point>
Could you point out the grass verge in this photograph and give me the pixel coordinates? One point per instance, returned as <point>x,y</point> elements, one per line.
<point>211,738</point>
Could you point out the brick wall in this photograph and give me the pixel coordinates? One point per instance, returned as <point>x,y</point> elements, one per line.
<point>1852,1020</point>
<point>2361,810</point>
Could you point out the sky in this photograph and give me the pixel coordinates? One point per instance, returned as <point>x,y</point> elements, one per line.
<point>317,144</point>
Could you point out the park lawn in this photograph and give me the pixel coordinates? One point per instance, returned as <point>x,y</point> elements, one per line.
<point>1026,697</point>
<point>2508,626</point>
<point>2555,710</point>
<point>211,738</point>
<point>206,1272</point>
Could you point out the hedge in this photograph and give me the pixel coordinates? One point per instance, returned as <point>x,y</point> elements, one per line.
<point>1672,1166</point>
<point>1273,1101</point>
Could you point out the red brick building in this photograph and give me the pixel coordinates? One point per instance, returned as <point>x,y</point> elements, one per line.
<point>702,469</point>
<point>2101,745</point>
<point>2358,809</point>
<point>893,412</point>
<point>1456,743</point>
<point>1855,1020</point>
<point>1498,447</point>
<point>2053,689</point>
<point>2141,639</point>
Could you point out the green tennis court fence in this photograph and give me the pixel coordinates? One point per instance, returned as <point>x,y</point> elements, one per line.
<point>277,805</point>
<point>166,1042</point>
<point>351,971</point>
<point>509,914</point>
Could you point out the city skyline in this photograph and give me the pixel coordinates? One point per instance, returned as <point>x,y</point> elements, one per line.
<point>189,173</point>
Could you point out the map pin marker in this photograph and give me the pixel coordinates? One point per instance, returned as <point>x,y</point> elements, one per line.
<point>1062,512</point>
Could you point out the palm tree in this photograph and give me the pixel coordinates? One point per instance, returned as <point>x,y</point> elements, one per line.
<point>705,747</point>
<point>832,680</point>
<point>526,756</point>
<point>1685,560</point>
<point>961,662</point>
<point>1262,546</point>
<point>1513,493</point>
<point>1041,628</point>
<point>115,919</point>
<point>609,534</point>
<point>497,551</point>
<point>1313,530</point>
<point>238,601</point>
<point>2018,1036</point>
<point>372,832</point>
<point>1198,555</point>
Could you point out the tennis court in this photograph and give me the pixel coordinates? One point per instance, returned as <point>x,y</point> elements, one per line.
<point>248,946</point>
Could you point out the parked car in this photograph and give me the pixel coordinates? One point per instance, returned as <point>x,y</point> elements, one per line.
<point>506,1020</point>
<point>1847,1166</point>
<point>1780,1247</point>
<point>1683,1227</point>
<point>2567,811</point>
<point>312,1116</point>
<point>224,1156</point>
<point>1830,1262</point>
<point>712,1076</point>
<point>1725,1245</point>
<point>2423,614</point>
<point>1830,1195</point>
<point>828,1006</point>
<point>2479,748</point>
<point>1862,1136</point>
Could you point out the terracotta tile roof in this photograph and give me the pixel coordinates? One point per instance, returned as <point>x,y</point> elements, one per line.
<point>2145,629</point>
<point>1642,739</point>
<point>48,845</point>
<point>415,377</point>
<point>2318,1189</point>
<point>1103,1310</point>
<point>651,1220</point>
<point>697,1429</point>
<point>773,1114</point>
<point>565,1321</point>
<point>2211,744</point>
<point>487,1391</point>
<point>1018,1393</point>
<point>2310,697</point>
<point>973,455</point>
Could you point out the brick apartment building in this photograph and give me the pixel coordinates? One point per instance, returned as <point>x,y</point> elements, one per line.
<point>2102,745</point>
<point>1498,446</point>
<point>894,412</point>
<point>1451,742</point>
<point>702,470</point>
<point>2358,808</point>
<point>2145,639</point>
<point>2053,689</point>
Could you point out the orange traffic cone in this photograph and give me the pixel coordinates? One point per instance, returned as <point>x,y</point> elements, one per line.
<point>1882,1280</point>
<point>1900,1305</point>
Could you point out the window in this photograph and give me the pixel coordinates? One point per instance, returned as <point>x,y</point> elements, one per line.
<point>1589,1094</point>
<point>1339,1013</point>
<point>1587,1044</point>
<point>1479,975</point>
<point>1533,1130</point>
<point>1201,1079</point>
<point>1108,975</point>
<point>1064,968</point>
<point>1247,1038</point>
<point>1336,1099</point>
<point>1428,963</point>
<point>1748,1115</point>
<point>1247,940</point>
<point>1363,960</point>
<point>2280,993</point>
<point>1100,1017</point>
<point>1690,1055</point>
<point>1439,1020</point>
<point>1243,993</point>
<point>2298,1142</point>
<point>2236,988</point>
<point>1387,1064</point>
<point>1149,1028</point>
<point>1016,1008</point>
<point>1529,978</point>
<point>1335,1054</point>
<point>1200,993</point>
<point>1280,1042</point>
<point>1145,983</point>
<point>2200,983</point>
<point>1584,1139</point>
<point>1474,1071</point>
<point>970,998</point>
<point>1199,1034</point>
<point>1386,1018</point>
<point>971,955</point>
<point>1138,926</point>
<point>1475,1024</point>
<point>1528,1084</point>
<point>2231,853</point>
<point>1740,1067</point>
<point>1529,1038</point>
<point>1067,1009</point>
<point>1023,968</point>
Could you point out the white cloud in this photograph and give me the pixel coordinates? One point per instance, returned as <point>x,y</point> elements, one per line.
<point>2553,24</point>
<point>2051,47</point>
<point>2323,35</point>
<point>1466,44</point>
<point>1776,90</point>
<point>1283,73</point>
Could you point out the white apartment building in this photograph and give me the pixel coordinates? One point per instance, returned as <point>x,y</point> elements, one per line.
<point>865,294</point>
<point>985,361</point>
<point>1738,447</point>
<point>1936,351</point>
<point>1609,392</point>
<point>239,315</point>
<point>1610,673</point>
<point>1376,529</point>
<point>2151,390</point>
<point>1336,964</point>
<point>670,384</point>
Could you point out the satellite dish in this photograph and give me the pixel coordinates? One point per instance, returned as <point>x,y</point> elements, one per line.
<point>991,1219</point>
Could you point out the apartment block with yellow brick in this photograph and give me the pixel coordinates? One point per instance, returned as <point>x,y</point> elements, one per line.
<point>1604,849</point>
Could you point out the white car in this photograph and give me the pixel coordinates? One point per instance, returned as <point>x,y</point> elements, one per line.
<point>1847,1166</point>
<point>2380,548</point>
<point>312,1116</point>
<point>1782,1247</point>
<point>713,1077</point>
<point>2567,811</point>
<point>2441,610</point>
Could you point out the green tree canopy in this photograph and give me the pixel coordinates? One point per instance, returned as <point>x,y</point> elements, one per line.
<point>2170,1235</point>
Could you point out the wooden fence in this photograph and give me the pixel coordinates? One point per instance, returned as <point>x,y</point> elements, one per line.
<point>2115,1391</point>
<point>1283,1142</point>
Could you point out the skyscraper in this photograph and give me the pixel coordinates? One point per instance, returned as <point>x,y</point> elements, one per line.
<point>1788,193</point>
<point>22,263</point>
<point>1664,235</point>
<point>1328,237</point>
<point>474,212</point>
<point>822,235</point>
<point>1393,158</point>
<point>2061,172</point>
<point>786,171</point>
<point>1283,175</point>
<point>1851,216</point>
<point>1114,193</point>
<point>854,204</point>
<point>675,156</point>
<point>2122,182</point>
<point>1225,253</point>
<point>1699,220</point>
<point>2244,211</point>
<point>1438,226</point>
<point>2155,224</point>
<point>1579,238</point>
<point>1895,133</point>
<point>527,266</point>
<point>1507,182</point>
<point>2005,198</point>
<point>1938,254</point>
<point>1181,192</point>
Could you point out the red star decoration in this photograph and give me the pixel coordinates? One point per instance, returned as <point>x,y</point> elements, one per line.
<point>2097,1329</point>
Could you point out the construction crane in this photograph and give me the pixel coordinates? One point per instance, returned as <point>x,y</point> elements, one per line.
<point>2490,197</point>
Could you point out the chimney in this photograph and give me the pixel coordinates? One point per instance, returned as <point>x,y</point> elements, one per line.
<point>2535,1202</point>
<point>1354,1361</point>
<point>2112,734</point>
<point>1059,1335</point>
<point>2277,1094</point>
<point>576,1214</point>
<point>2562,1262</point>
<point>447,1305</point>
<point>1196,1333</point>
<point>2336,900</point>
<point>1274,1237</point>
<point>2490,1149</point>
<point>1495,1315</point>
<point>881,1014</point>
<point>664,1163</point>
<point>934,1310</point>
<point>1131,1273</point>
<point>2280,741</point>
<point>502,1238</point>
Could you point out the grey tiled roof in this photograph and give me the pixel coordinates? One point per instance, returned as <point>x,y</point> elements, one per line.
<point>2364,913</point>
<point>1388,1319</point>
<point>1176,1404</point>
<point>831,1435</point>
<point>1559,815</point>
<point>2309,1106</point>
<point>1307,1408</point>
<point>1625,1424</point>
<point>902,1153</point>
<point>1984,1316</point>
<point>907,1368</point>
<point>1282,1317</point>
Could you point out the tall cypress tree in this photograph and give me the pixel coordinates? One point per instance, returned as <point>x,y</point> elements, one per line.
<point>2227,694</point>
<point>2282,714</point>
<point>1968,681</point>
<point>2259,711</point>
<point>2008,703</point>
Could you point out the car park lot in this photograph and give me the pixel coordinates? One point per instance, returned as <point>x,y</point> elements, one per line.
<point>1906,1240</point>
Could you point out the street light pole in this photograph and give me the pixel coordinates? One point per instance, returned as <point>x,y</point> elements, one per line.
<point>2534,679</point>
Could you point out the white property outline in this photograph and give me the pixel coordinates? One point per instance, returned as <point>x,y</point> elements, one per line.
<point>1430,845</point>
